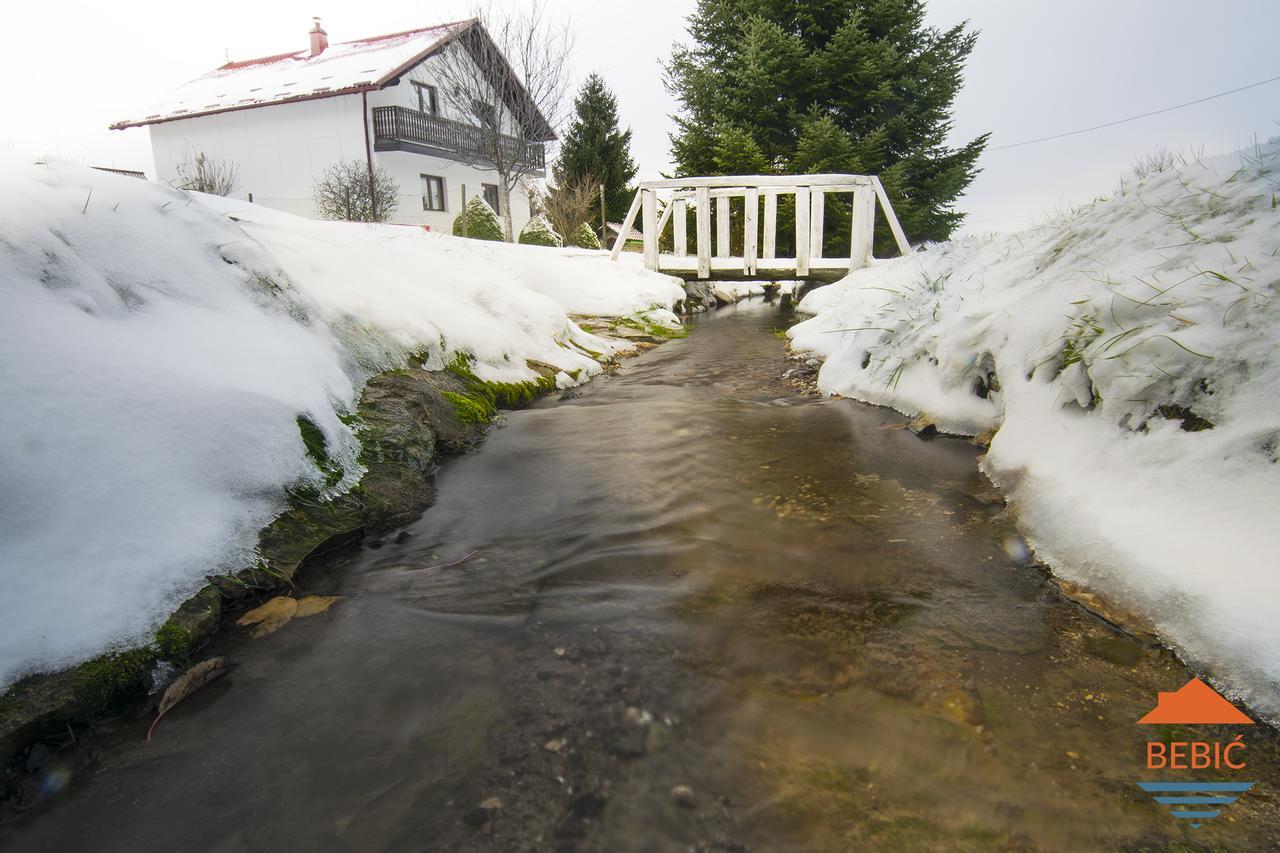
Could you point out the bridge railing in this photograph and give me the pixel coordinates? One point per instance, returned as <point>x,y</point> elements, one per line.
<point>759,257</point>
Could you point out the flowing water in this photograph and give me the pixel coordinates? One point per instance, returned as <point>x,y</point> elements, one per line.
<point>686,574</point>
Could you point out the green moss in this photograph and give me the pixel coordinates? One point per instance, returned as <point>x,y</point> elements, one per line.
<point>481,400</point>
<point>470,408</point>
<point>317,447</point>
<point>652,329</point>
<point>174,642</point>
<point>108,679</point>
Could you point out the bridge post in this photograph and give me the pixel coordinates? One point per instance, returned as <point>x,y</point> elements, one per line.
<point>722,226</point>
<point>864,226</point>
<point>750,206</point>
<point>816,217</point>
<point>680,237</point>
<point>770,224</point>
<point>702,199</point>
<point>802,232</point>
<point>649,205</point>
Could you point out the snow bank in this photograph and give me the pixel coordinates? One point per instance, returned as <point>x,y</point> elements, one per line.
<point>155,354</point>
<point>1101,345</point>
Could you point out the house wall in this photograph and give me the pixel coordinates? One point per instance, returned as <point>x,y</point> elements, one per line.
<point>281,150</point>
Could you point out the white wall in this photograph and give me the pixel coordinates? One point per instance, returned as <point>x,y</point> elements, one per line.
<point>282,149</point>
<point>407,168</point>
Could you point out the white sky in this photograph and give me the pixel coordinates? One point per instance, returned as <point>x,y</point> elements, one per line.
<point>1040,68</point>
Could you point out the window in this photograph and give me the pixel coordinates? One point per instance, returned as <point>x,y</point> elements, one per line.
<point>491,196</point>
<point>432,192</point>
<point>428,99</point>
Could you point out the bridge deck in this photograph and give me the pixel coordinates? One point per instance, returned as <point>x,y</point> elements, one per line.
<point>758,215</point>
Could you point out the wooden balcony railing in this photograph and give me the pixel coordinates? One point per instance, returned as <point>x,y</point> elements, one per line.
<point>402,124</point>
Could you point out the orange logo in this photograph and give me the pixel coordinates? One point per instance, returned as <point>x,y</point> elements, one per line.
<point>1194,702</point>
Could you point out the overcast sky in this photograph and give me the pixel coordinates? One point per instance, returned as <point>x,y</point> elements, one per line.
<point>1040,68</point>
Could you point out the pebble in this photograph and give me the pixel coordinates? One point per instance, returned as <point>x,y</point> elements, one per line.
<point>683,797</point>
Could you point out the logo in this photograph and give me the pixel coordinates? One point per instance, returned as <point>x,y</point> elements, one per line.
<point>1196,703</point>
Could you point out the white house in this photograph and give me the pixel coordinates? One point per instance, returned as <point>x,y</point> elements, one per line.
<point>282,120</point>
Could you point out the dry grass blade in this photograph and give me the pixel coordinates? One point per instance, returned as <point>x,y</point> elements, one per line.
<point>189,682</point>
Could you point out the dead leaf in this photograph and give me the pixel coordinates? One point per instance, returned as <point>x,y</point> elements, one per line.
<point>270,617</point>
<point>189,682</point>
<point>894,426</point>
<point>312,604</point>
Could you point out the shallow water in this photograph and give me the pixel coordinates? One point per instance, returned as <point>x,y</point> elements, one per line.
<point>687,574</point>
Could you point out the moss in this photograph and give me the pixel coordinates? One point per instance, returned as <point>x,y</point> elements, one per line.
<point>652,329</point>
<point>317,447</point>
<point>174,642</point>
<point>106,680</point>
<point>470,408</point>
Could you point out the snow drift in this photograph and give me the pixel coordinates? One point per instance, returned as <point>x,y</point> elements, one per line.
<point>156,348</point>
<point>1128,353</point>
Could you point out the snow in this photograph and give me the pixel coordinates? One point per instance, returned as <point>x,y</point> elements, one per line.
<point>1165,294</point>
<point>342,67</point>
<point>155,353</point>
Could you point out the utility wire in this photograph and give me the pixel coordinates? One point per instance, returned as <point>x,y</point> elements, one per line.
<point>1132,118</point>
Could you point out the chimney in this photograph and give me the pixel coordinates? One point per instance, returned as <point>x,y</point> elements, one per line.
<point>319,38</point>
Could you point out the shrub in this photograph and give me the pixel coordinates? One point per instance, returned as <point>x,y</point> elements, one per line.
<point>584,238</point>
<point>205,174</point>
<point>346,191</point>
<point>538,232</point>
<point>482,222</point>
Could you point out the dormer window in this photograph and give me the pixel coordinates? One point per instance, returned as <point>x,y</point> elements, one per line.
<point>428,99</point>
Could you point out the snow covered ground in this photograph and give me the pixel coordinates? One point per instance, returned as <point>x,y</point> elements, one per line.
<point>156,348</point>
<point>1102,345</point>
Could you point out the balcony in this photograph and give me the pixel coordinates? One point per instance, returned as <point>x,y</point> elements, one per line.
<point>400,128</point>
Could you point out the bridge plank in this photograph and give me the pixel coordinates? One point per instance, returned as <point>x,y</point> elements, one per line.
<point>899,236</point>
<point>626,225</point>
<point>817,215</point>
<point>679,231</point>
<point>802,231</point>
<point>650,207</point>
<point>864,225</point>
<point>722,227</point>
<point>825,180</point>
<point>704,232</point>
<point>770,223</point>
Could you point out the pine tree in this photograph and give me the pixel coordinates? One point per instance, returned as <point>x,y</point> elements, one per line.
<point>858,86</point>
<point>597,148</point>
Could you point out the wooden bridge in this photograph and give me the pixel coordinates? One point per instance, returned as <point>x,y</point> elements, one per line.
<point>757,262</point>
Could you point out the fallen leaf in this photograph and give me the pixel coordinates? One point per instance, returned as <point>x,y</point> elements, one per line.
<point>270,617</point>
<point>187,683</point>
<point>894,426</point>
<point>310,605</point>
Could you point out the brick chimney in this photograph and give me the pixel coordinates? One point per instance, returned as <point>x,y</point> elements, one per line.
<point>319,38</point>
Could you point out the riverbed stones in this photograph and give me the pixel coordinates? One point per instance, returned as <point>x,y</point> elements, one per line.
<point>682,796</point>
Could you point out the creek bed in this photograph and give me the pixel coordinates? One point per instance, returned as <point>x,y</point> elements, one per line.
<point>684,574</point>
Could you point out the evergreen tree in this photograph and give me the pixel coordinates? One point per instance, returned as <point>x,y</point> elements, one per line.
<point>857,86</point>
<point>596,148</point>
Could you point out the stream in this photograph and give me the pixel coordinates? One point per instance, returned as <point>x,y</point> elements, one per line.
<point>686,607</point>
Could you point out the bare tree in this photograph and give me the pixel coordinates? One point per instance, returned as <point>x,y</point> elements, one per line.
<point>569,205</point>
<point>205,174</point>
<point>508,77</point>
<point>349,190</point>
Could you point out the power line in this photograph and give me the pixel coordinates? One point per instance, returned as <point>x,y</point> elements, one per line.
<point>1132,118</point>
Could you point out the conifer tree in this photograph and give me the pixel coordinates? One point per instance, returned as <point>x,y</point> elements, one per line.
<point>596,147</point>
<point>861,86</point>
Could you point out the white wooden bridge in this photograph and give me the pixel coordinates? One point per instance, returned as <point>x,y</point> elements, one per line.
<point>759,260</point>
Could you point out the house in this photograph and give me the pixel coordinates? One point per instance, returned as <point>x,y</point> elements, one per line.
<point>283,120</point>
